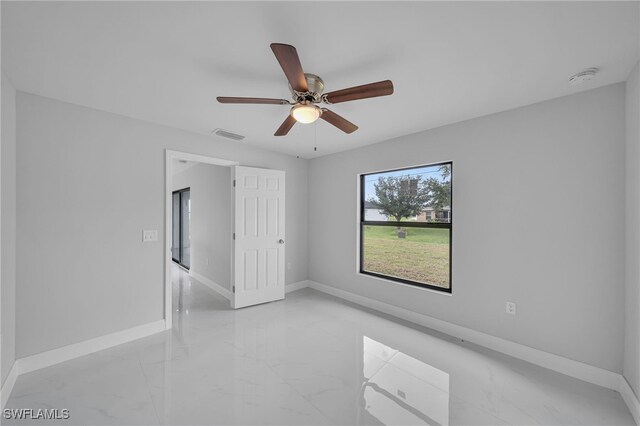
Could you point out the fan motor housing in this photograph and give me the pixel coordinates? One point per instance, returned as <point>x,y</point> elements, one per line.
<point>315,86</point>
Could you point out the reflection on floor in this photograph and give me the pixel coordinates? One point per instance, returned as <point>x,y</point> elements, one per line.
<point>310,359</point>
<point>396,393</point>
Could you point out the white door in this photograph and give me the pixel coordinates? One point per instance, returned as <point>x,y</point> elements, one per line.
<point>258,265</point>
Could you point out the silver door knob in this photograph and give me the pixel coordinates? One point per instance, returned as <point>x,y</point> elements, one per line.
<point>281,241</point>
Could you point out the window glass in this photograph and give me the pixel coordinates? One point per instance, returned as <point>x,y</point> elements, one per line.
<point>406,221</point>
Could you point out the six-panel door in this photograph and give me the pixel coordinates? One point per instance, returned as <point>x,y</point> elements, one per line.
<point>259,245</point>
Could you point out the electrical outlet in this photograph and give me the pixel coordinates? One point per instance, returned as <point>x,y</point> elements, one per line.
<point>289,266</point>
<point>149,236</point>
<point>511,308</point>
<point>206,261</point>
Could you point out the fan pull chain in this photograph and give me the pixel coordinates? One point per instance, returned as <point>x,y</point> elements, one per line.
<point>315,136</point>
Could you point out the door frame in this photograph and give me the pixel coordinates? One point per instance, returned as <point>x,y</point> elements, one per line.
<point>171,155</point>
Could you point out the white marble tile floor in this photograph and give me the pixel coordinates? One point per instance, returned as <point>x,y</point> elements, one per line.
<point>310,359</point>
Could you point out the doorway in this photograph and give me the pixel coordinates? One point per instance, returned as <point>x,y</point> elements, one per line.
<point>172,160</point>
<point>181,227</point>
<point>252,229</point>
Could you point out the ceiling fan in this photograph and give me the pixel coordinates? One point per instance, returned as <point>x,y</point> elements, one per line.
<point>306,92</point>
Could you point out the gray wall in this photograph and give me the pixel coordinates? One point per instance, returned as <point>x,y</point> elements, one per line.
<point>632,289</point>
<point>210,220</point>
<point>537,220</point>
<point>8,225</point>
<point>89,182</point>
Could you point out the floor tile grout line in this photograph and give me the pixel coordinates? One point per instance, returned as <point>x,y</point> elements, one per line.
<point>297,391</point>
<point>146,381</point>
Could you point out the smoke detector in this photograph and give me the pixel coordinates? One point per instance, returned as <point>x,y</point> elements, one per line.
<point>583,76</point>
<point>227,134</point>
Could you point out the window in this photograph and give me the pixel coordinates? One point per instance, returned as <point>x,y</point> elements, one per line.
<point>181,230</point>
<point>442,216</point>
<point>405,225</point>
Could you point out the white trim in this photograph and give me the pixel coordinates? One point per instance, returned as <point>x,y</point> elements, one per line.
<point>566,366</point>
<point>212,285</point>
<point>170,155</point>
<point>168,234</point>
<point>8,384</point>
<point>630,399</point>
<point>69,352</point>
<point>557,363</point>
<point>227,294</point>
<point>397,283</point>
<point>296,286</point>
<point>553,362</point>
<point>76,350</point>
<point>179,155</point>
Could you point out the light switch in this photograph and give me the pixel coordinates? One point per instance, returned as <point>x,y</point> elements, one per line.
<point>149,236</point>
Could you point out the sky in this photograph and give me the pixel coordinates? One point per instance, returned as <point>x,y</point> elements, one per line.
<point>425,172</point>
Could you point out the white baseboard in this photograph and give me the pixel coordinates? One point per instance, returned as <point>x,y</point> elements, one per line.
<point>557,363</point>
<point>553,362</point>
<point>76,350</point>
<point>566,366</point>
<point>630,398</point>
<point>66,353</point>
<point>296,286</point>
<point>227,294</point>
<point>8,384</point>
<point>212,285</point>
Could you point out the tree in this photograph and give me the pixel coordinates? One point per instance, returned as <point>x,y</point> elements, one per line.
<point>440,190</point>
<point>400,196</point>
<point>445,171</point>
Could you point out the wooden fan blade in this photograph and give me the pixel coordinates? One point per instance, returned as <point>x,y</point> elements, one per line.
<point>236,100</point>
<point>381,88</point>
<point>287,56</point>
<point>338,121</point>
<point>285,126</point>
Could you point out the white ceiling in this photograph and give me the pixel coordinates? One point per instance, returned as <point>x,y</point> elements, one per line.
<point>165,62</point>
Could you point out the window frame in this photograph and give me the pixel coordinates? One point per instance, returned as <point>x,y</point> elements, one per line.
<point>362,223</point>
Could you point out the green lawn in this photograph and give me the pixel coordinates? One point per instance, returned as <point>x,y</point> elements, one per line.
<point>422,256</point>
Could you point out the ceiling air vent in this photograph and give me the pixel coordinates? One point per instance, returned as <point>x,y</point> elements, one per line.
<point>227,134</point>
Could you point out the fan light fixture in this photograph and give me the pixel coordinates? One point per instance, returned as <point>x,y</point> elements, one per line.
<point>305,113</point>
